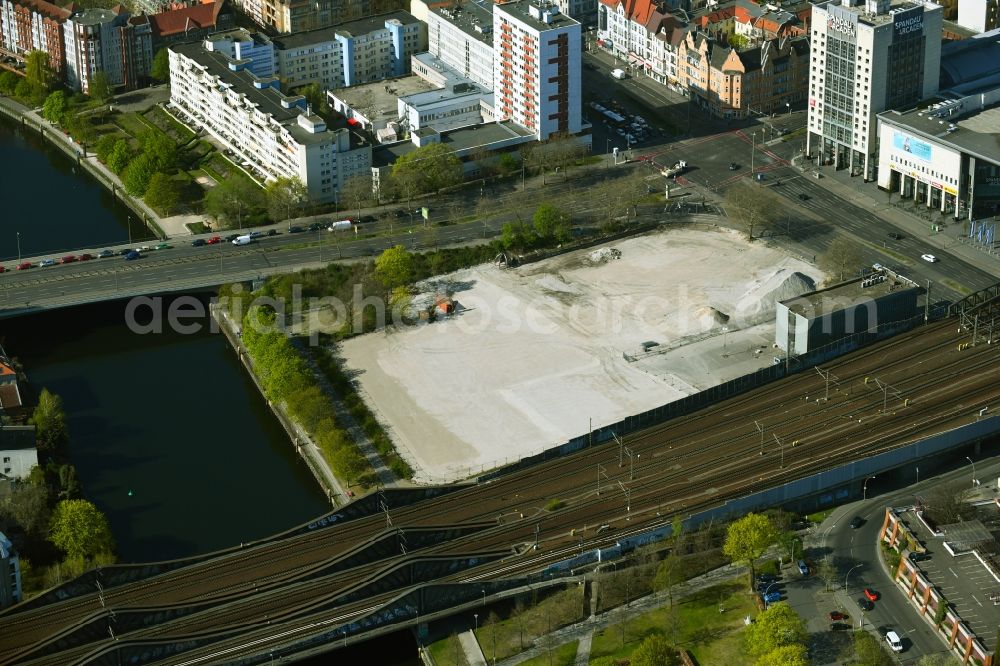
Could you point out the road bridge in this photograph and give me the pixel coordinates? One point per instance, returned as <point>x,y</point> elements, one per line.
<point>312,589</point>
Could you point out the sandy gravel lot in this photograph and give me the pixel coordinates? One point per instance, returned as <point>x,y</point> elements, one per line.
<point>532,354</point>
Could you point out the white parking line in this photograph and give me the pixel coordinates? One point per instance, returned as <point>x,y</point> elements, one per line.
<point>976,600</point>
<point>953,572</point>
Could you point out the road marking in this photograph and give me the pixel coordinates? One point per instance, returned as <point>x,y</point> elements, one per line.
<point>973,598</point>
<point>953,572</point>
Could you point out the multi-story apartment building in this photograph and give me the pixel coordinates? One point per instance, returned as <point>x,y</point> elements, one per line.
<point>867,58</point>
<point>979,15</point>
<point>273,134</point>
<point>285,16</point>
<point>737,84</point>
<point>240,44</point>
<point>642,34</point>
<point>109,41</point>
<point>461,36</point>
<point>357,52</point>
<point>537,67</point>
<point>188,23</point>
<point>34,25</point>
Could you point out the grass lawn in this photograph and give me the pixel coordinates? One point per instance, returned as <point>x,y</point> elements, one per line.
<point>564,655</point>
<point>819,516</point>
<point>170,126</point>
<point>131,123</point>
<point>447,652</point>
<point>711,637</point>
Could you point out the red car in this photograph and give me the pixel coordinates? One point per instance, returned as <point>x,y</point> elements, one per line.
<point>85,257</point>
<point>871,595</point>
<point>24,266</point>
<point>2,269</point>
<point>213,240</point>
<point>837,615</point>
<point>68,259</point>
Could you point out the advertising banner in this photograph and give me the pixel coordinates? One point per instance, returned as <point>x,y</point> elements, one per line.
<point>908,144</point>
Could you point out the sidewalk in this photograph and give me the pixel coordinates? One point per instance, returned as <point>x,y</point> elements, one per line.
<point>869,197</point>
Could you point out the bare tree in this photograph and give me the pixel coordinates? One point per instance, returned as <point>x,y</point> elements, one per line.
<point>752,206</point>
<point>842,258</point>
<point>827,572</point>
<point>948,503</point>
<point>357,192</point>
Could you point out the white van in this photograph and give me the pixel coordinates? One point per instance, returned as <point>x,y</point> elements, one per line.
<point>618,73</point>
<point>892,638</point>
<point>242,240</point>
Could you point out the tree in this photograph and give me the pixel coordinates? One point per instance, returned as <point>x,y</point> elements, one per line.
<point>654,651</point>
<point>100,88</point>
<point>162,193</point>
<point>515,235</point>
<point>49,420</point>
<point>868,651</point>
<point>669,574</point>
<point>159,70</point>
<point>428,168</point>
<point>827,572</point>
<point>55,106</point>
<point>80,530</point>
<point>120,156</point>
<point>551,222</point>
<point>161,149</point>
<point>394,267</point>
<point>315,96</point>
<point>8,82</point>
<point>105,145</point>
<point>507,164</point>
<point>786,655</point>
<point>38,75</point>
<point>751,205</point>
<point>748,538</point>
<point>231,199</point>
<point>776,627</point>
<point>357,192</point>
<point>28,506</point>
<point>947,503</point>
<point>284,198</point>
<point>80,128</point>
<point>842,258</point>
<point>137,174</point>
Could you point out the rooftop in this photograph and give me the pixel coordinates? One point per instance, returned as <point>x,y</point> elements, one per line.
<point>177,21</point>
<point>93,16</point>
<point>378,100</point>
<point>845,294</point>
<point>971,61</point>
<point>866,18</point>
<point>351,29</point>
<point>268,100</point>
<point>530,11</point>
<point>473,18</point>
<point>977,135</point>
<point>464,138</point>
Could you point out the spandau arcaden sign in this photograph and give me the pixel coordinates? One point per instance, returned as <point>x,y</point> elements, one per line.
<point>908,22</point>
<point>841,24</point>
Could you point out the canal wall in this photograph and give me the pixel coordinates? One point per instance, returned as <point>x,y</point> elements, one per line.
<point>300,439</point>
<point>89,163</point>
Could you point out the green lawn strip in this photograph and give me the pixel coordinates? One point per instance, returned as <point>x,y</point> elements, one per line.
<point>130,123</point>
<point>447,652</point>
<point>183,134</point>
<point>954,286</point>
<point>564,655</point>
<point>819,516</point>
<point>712,637</point>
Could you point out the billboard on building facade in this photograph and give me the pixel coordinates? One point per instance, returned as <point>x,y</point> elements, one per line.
<point>912,145</point>
<point>908,21</point>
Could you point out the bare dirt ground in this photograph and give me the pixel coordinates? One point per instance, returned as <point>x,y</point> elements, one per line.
<point>533,354</point>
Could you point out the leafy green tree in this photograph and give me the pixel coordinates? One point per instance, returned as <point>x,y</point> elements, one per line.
<point>430,168</point>
<point>49,419</point>
<point>100,88</point>
<point>105,145</point>
<point>394,267</point>
<point>161,149</point>
<point>232,199</point>
<point>69,485</point>
<point>8,82</point>
<point>120,156</point>
<point>669,574</point>
<point>316,97</point>
<point>748,538</point>
<point>786,655</point>
<point>284,198</point>
<point>55,106</point>
<point>137,174</point>
<point>868,651</point>
<point>551,222</point>
<point>159,70</point>
<point>38,74</point>
<point>26,92</point>
<point>507,164</point>
<point>776,627</point>
<point>654,651</point>
<point>28,506</point>
<point>162,193</point>
<point>80,128</point>
<point>515,236</point>
<point>80,530</point>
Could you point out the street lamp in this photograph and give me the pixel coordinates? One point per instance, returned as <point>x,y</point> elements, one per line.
<point>849,575</point>
<point>864,489</point>
<point>753,148</point>
<point>725,330</point>
<point>788,105</point>
<point>766,590</point>
<point>476,616</point>
<point>973,469</point>
<point>18,247</point>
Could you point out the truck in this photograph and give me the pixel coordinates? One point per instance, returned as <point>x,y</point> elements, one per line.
<point>340,225</point>
<point>242,240</point>
<point>618,73</point>
<point>677,169</point>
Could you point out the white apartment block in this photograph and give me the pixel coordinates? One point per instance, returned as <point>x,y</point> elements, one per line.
<point>865,59</point>
<point>461,36</point>
<point>272,133</point>
<point>454,102</point>
<point>642,35</point>
<point>371,49</point>
<point>979,15</point>
<point>241,44</point>
<point>537,69</point>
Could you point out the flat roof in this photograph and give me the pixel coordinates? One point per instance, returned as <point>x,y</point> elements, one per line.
<point>520,9</point>
<point>381,95</point>
<point>835,297</point>
<point>864,18</point>
<point>462,138</point>
<point>268,100</point>
<point>93,16</point>
<point>977,134</point>
<point>363,26</point>
<point>467,15</point>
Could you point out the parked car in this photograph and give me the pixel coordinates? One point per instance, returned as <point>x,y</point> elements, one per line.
<point>930,258</point>
<point>272,232</point>
<point>772,597</point>
<point>85,257</point>
<point>24,265</point>
<point>47,262</point>
<point>144,248</point>
<point>917,557</point>
<point>199,242</point>
<point>2,269</point>
<point>132,255</point>
<point>803,567</point>
<point>295,229</point>
<point>865,604</point>
<point>104,254</point>
<point>256,234</point>
<point>856,522</point>
<point>839,626</point>
<point>870,594</point>
<point>231,237</point>
<point>122,252</point>
<point>162,246</point>
<point>316,226</point>
<point>892,638</point>
<point>837,615</point>
<point>214,239</point>
<point>733,166</point>
<point>68,259</point>
<point>766,578</point>
<point>803,196</point>
<point>894,236</point>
